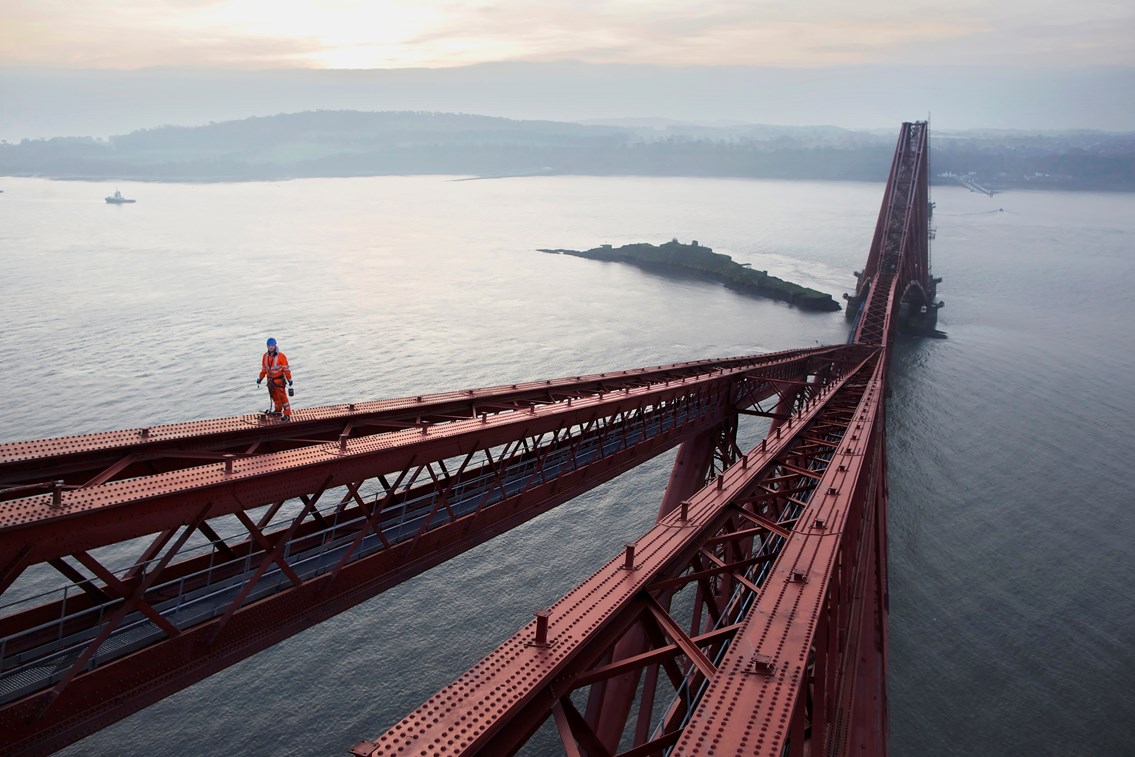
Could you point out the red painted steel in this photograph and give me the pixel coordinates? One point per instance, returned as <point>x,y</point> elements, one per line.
<point>120,510</point>
<point>747,710</point>
<point>348,491</point>
<point>782,650</point>
<point>752,619</point>
<point>897,276</point>
<point>721,536</point>
<point>90,459</point>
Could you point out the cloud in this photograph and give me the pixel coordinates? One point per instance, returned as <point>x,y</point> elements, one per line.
<point>404,33</point>
<point>712,34</point>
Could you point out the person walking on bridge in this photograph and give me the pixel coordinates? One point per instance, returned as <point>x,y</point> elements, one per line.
<point>275,366</point>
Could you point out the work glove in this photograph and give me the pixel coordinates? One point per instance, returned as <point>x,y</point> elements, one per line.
<point>291,392</point>
<point>258,383</point>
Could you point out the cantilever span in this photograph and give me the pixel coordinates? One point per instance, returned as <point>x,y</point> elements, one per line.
<point>752,617</point>
<point>242,533</point>
<point>896,282</point>
<point>687,609</point>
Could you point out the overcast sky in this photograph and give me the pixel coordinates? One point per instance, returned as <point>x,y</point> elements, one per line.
<point>130,34</point>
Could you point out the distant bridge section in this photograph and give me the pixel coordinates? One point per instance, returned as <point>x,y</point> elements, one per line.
<point>895,287</point>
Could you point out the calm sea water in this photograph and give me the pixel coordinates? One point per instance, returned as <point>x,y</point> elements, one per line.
<point>1012,609</point>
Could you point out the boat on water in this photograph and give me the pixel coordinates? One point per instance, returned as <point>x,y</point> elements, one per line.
<point>118,199</point>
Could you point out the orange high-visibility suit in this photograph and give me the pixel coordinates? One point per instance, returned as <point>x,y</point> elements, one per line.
<point>275,366</point>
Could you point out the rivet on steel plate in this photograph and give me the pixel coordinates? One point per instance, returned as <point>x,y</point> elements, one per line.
<point>542,628</point>
<point>628,559</point>
<point>229,462</point>
<point>764,665</point>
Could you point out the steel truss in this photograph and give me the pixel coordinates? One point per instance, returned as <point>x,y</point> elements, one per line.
<point>76,462</point>
<point>898,267</point>
<point>753,618</point>
<point>776,536</point>
<point>235,556</point>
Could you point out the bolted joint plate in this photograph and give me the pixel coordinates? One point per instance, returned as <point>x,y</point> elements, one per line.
<point>763,665</point>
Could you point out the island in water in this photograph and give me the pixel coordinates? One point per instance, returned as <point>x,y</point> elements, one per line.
<point>698,260</point>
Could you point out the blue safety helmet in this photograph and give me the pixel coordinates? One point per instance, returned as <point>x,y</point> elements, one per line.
<point>271,342</point>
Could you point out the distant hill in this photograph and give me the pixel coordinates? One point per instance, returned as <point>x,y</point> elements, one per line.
<point>42,102</point>
<point>357,143</point>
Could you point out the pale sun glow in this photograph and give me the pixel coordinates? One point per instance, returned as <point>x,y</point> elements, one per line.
<point>436,33</point>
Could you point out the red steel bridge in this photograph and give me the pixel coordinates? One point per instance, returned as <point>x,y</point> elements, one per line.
<point>751,619</point>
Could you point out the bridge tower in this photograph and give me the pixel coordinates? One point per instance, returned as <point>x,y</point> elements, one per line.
<point>903,227</point>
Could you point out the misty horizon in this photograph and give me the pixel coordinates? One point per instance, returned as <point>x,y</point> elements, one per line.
<point>330,143</point>
<point>56,102</point>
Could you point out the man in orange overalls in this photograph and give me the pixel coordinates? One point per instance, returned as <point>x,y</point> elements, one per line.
<point>275,366</point>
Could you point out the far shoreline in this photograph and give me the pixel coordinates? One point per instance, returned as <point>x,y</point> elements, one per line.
<point>148,179</point>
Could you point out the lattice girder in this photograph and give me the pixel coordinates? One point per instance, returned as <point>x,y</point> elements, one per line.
<point>325,494</point>
<point>580,635</point>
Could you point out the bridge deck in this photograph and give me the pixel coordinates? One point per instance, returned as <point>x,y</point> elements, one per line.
<point>90,459</point>
<point>211,554</point>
